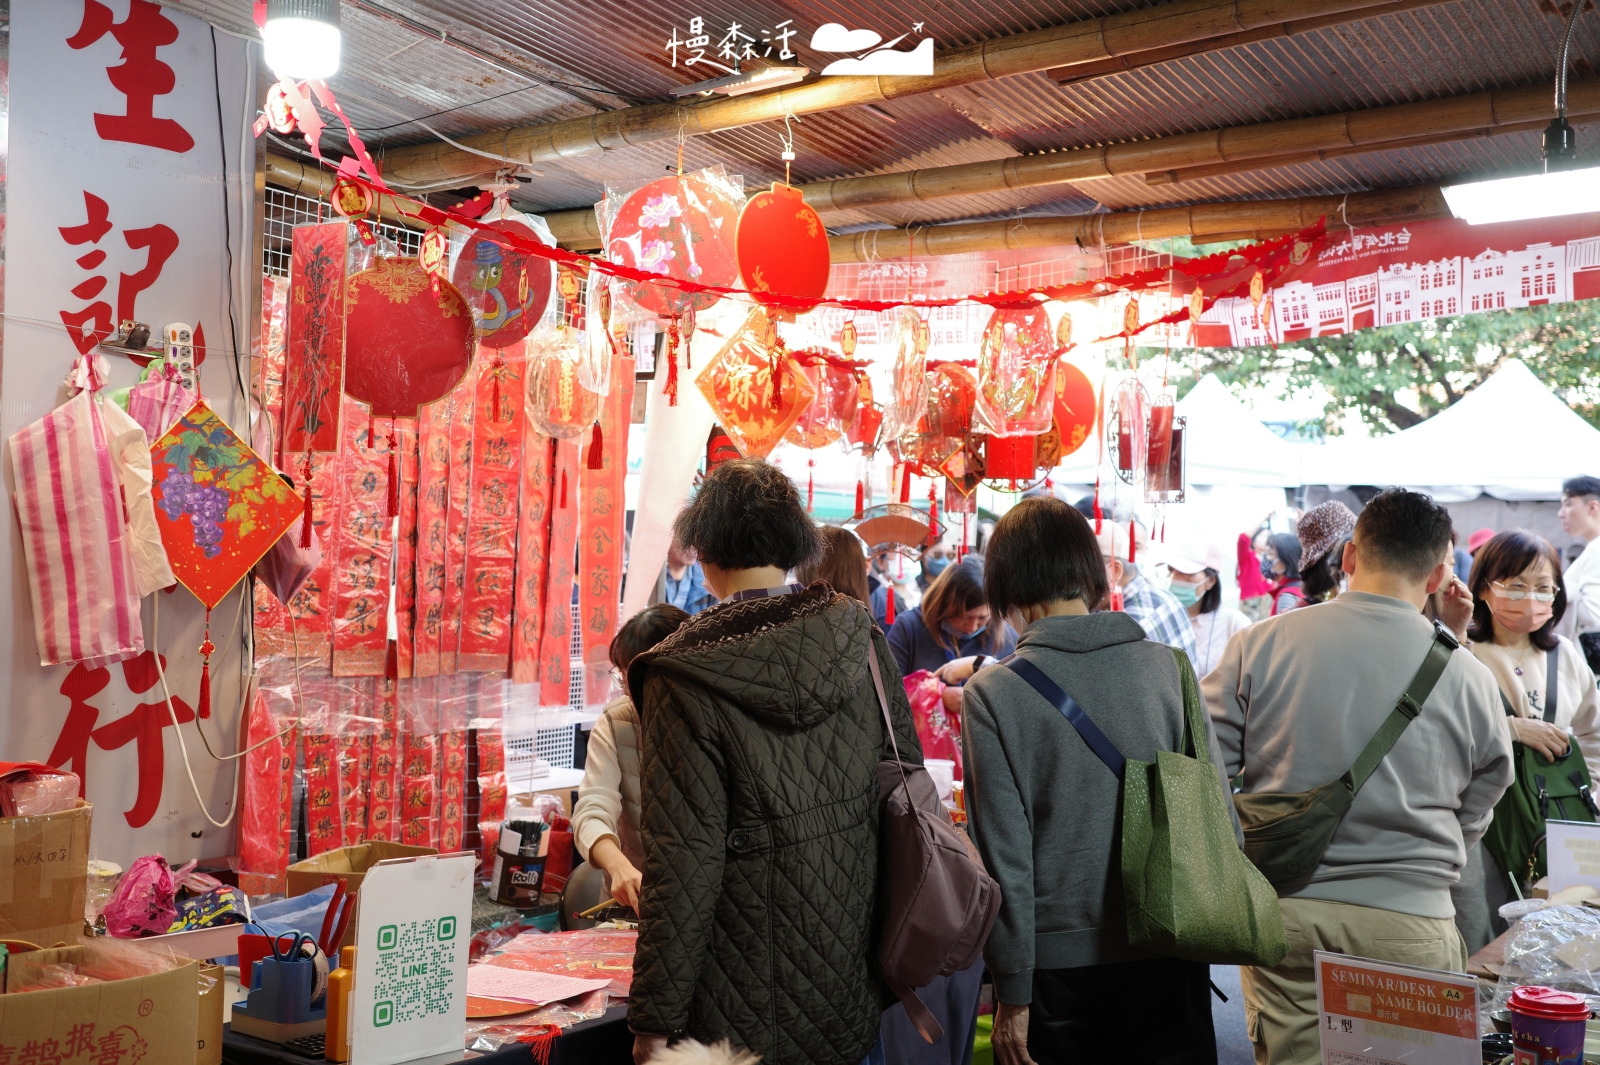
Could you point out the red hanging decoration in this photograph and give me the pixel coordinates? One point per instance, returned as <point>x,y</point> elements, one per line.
<point>494,372</point>
<point>403,347</point>
<point>393,509</point>
<point>905,485</point>
<point>563,502</point>
<point>1097,505</point>
<point>781,245</point>
<point>391,661</point>
<point>507,289</point>
<point>597,459</point>
<point>861,500</point>
<point>963,535</point>
<point>305,519</point>
<point>888,606</point>
<point>203,704</point>
<point>370,420</point>
<point>671,388</point>
<point>933,515</point>
<point>811,486</point>
<point>1131,545</point>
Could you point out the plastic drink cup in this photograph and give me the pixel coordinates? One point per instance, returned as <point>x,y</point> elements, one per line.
<point>1547,1026</point>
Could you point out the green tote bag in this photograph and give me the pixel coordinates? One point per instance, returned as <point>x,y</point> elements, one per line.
<point>1188,889</point>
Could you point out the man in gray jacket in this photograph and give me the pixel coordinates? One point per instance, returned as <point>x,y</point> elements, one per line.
<point>1297,697</point>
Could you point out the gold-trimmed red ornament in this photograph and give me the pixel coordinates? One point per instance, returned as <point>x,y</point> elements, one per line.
<point>782,247</point>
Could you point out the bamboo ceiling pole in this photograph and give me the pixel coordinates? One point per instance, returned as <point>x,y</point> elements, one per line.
<point>1085,41</point>
<point>1293,28</point>
<point>1250,217</point>
<point>1347,133</point>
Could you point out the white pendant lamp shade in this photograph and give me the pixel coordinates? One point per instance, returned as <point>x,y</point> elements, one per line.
<point>302,38</point>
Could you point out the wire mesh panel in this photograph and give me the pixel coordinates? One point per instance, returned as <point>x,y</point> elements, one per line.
<point>284,210</point>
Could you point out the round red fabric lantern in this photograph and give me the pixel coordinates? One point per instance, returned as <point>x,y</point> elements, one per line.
<point>680,227</point>
<point>1016,386</point>
<point>507,289</point>
<point>782,247</point>
<point>403,346</point>
<point>1074,407</point>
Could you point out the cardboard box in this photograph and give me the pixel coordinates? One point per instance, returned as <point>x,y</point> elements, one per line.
<point>44,864</point>
<point>351,863</point>
<point>208,1047</point>
<point>104,1022</point>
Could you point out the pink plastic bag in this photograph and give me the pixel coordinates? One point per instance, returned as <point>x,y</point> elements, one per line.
<point>143,903</point>
<point>938,730</point>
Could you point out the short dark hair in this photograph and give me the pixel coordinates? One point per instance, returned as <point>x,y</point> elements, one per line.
<point>748,514</point>
<point>1042,550</point>
<point>1581,486</point>
<point>1403,532</point>
<point>1287,547</point>
<point>1504,556</point>
<point>954,592</point>
<point>1323,576</point>
<point>1212,599</point>
<point>843,563</point>
<point>643,631</point>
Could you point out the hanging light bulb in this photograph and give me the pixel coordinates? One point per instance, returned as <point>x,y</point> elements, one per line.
<point>302,38</point>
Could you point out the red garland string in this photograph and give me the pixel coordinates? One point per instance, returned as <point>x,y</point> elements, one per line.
<point>933,514</point>
<point>671,388</point>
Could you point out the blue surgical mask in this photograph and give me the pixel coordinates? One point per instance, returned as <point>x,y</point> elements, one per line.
<point>935,566</point>
<point>956,634</point>
<point>1186,594</point>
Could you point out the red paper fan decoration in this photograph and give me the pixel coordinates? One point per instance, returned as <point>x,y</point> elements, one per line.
<point>1075,407</point>
<point>1016,391</point>
<point>833,409</point>
<point>741,382</point>
<point>507,290</point>
<point>403,346</point>
<point>782,246</point>
<point>680,227</point>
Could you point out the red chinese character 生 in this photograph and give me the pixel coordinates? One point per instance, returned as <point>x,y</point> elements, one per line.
<point>140,77</point>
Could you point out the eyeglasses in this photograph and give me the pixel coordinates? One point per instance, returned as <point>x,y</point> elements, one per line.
<point>1518,592</point>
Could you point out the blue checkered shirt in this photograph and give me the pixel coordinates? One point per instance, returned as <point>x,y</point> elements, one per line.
<point>1163,618</point>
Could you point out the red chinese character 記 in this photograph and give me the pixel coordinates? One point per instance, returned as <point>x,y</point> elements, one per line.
<point>92,324</point>
<point>140,77</point>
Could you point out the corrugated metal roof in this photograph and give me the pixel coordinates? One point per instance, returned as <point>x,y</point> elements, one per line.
<point>540,61</point>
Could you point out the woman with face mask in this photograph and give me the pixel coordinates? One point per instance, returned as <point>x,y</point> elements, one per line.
<point>1196,584</point>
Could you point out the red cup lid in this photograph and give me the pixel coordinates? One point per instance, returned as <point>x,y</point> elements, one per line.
<point>1547,1002</point>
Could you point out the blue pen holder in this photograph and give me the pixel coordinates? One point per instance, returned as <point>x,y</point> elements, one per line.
<point>280,991</point>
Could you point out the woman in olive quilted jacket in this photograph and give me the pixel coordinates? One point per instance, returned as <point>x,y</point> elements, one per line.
<point>760,744</point>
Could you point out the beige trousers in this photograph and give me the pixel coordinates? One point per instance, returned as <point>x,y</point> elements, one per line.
<point>1280,1004</point>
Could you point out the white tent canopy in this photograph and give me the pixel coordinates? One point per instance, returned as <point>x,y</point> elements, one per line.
<point>1226,444</point>
<point>1510,437</point>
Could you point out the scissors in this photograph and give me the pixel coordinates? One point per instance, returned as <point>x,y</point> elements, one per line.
<point>296,948</point>
<point>337,918</point>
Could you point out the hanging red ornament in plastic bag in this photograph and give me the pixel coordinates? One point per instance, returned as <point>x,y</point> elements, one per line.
<point>1131,427</point>
<point>558,404</point>
<point>681,227</point>
<point>741,382</point>
<point>508,290</point>
<point>867,422</point>
<point>1016,380</point>
<point>908,405</point>
<point>403,346</point>
<point>782,247</point>
<point>833,409</point>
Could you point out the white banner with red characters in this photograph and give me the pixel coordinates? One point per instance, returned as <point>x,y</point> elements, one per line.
<point>128,132</point>
<point>1370,276</point>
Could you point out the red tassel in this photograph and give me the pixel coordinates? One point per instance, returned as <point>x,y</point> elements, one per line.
<point>563,503</point>
<point>391,661</point>
<point>305,519</point>
<point>370,420</point>
<point>905,485</point>
<point>496,374</point>
<point>933,517</point>
<point>394,477</point>
<point>861,499</point>
<point>540,1046</point>
<point>671,388</point>
<point>1097,506</point>
<point>777,381</point>
<point>963,535</point>
<point>203,704</point>
<point>888,607</point>
<point>811,487</point>
<point>597,458</point>
<point>1131,545</point>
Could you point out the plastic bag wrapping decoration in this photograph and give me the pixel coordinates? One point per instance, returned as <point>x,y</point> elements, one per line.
<point>491,541</point>
<point>1130,423</point>
<point>602,535</point>
<point>507,290</point>
<point>830,413</point>
<point>557,403</point>
<point>535,1027</point>
<point>419,795</point>
<point>130,455</point>
<point>313,373</point>
<point>383,786</point>
<point>434,473</point>
<point>100,961</point>
<point>491,789</point>
<point>264,803</point>
<point>555,645</point>
<point>946,423</point>
<point>938,730</point>
<point>1558,947</point>
<point>355,786</point>
<point>324,817</point>
<point>75,538</point>
<point>755,387</point>
<point>143,903</point>
<point>1016,378</point>
<point>909,400</point>
<point>591,954</point>
<point>405,578</point>
<point>604,339</point>
<point>682,227</point>
<point>303,624</point>
<point>452,789</point>
<point>158,401</point>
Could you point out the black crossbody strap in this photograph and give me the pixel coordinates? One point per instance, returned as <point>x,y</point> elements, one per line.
<point>1552,682</point>
<point>1051,693</point>
<point>1404,712</point>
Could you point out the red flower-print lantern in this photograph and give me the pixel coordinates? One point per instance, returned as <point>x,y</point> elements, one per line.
<point>782,247</point>
<point>679,227</point>
<point>1016,383</point>
<point>507,289</point>
<point>403,346</point>
<point>756,388</point>
<point>833,409</point>
<point>1074,407</point>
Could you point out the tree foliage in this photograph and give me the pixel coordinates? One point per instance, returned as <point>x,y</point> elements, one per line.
<point>1397,376</point>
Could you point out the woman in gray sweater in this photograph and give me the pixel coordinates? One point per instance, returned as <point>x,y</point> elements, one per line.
<point>1044,810</point>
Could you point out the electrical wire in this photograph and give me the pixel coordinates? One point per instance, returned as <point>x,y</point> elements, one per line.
<point>183,747</point>
<point>227,226</point>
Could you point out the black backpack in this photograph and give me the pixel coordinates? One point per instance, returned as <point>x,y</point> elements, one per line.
<point>1543,791</point>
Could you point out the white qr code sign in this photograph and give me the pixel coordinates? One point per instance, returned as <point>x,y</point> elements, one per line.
<point>413,931</point>
<point>1573,848</point>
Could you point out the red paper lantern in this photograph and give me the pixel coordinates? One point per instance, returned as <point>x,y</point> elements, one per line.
<point>1016,390</point>
<point>507,290</point>
<point>782,246</point>
<point>679,227</point>
<point>1074,407</point>
<point>403,346</point>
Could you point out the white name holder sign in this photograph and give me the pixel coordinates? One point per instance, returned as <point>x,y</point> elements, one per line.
<point>1377,1011</point>
<point>413,931</point>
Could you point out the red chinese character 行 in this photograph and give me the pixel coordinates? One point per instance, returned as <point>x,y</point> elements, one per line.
<point>72,745</point>
<point>143,726</point>
<point>140,77</point>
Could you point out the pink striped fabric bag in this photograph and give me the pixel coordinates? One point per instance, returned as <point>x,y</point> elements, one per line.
<point>158,403</point>
<point>75,536</point>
